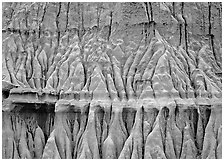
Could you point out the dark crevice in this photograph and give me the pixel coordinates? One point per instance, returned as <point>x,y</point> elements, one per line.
<point>182,142</point>
<point>107,85</point>
<point>211,36</point>
<point>128,115</point>
<point>57,23</point>
<point>67,17</point>
<point>185,27</point>
<point>192,118</point>
<point>205,114</point>
<point>180,30</point>
<point>99,113</point>
<point>143,141</point>
<point>42,19</point>
<point>5,94</point>
<point>163,125</point>
<point>83,126</point>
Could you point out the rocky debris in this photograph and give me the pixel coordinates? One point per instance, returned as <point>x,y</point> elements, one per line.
<point>134,96</point>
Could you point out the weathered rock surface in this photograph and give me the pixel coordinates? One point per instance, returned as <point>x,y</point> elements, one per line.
<point>129,97</point>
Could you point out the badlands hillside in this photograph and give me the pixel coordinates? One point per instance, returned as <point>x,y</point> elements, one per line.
<point>112,80</point>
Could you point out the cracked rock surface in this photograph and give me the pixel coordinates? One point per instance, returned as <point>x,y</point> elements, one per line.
<point>117,81</point>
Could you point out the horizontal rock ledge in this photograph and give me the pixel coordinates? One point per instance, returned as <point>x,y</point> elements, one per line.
<point>20,96</point>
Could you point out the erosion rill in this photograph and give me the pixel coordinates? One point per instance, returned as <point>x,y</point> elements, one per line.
<point>127,87</point>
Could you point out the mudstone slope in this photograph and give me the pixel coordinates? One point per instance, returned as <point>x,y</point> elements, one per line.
<point>145,91</point>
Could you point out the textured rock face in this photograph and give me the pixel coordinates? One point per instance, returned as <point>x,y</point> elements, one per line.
<point>126,86</point>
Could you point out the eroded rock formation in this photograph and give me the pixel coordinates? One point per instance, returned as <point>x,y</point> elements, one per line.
<point>99,96</point>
